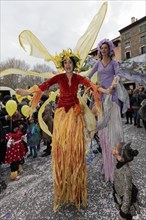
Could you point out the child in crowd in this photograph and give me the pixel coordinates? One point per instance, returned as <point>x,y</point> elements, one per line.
<point>33,137</point>
<point>125,192</point>
<point>15,151</point>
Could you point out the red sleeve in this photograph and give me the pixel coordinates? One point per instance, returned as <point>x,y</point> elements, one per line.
<point>84,81</point>
<point>45,85</point>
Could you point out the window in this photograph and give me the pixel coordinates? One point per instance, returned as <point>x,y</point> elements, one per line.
<point>127,44</point>
<point>117,43</point>
<point>142,28</point>
<point>143,49</point>
<point>128,55</point>
<point>127,36</point>
<point>142,38</point>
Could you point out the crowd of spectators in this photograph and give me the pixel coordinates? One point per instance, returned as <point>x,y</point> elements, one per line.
<point>31,134</point>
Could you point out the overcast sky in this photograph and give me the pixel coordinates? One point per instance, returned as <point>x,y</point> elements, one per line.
<point>59,24</point>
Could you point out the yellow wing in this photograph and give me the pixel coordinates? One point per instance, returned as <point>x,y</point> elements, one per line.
<point>37,49</point>
<point>85,43</point>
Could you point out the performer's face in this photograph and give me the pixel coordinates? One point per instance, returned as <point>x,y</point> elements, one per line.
<point>104,50</point>
<point>68,65</point>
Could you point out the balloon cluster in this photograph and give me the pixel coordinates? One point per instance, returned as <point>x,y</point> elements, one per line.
<point>11,107</point>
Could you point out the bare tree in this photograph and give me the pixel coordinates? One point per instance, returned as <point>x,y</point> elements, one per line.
<point>14,63</point>
<point>42,68</point>
<point>12,81</point>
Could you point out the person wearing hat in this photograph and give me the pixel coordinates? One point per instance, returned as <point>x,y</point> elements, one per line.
<point>68,138</point>
<point>15,151</point>
<point>109,126</point>
<point>124,191</point>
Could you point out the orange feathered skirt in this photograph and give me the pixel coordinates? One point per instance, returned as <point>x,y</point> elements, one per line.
<point>68,158</point>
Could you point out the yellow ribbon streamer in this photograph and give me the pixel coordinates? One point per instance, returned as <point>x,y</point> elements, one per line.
<point>27,73</point>
<point>52,97</point>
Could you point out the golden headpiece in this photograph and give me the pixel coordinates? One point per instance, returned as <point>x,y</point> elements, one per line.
<point>66,54</point>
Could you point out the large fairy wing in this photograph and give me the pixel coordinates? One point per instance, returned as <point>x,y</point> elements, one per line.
<point>85,43</point>
<point>135,71</point>
<point>27,38</point>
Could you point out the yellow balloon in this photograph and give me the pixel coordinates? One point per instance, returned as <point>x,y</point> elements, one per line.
<point>11,107</point>
<point>25,110</point>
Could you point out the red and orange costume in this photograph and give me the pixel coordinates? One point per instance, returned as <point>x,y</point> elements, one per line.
<point>68,143</point>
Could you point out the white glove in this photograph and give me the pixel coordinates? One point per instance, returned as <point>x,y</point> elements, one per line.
<point>24,138</point>
<point>10,142</point>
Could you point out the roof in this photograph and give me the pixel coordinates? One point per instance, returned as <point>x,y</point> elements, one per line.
<point>139,21</point>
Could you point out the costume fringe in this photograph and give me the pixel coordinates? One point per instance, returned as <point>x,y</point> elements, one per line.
<point>68,158</point>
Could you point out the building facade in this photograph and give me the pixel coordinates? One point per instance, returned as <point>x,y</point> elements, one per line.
<point>133,40</point>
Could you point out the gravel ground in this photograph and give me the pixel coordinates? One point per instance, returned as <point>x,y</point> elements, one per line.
<point>31,198</point>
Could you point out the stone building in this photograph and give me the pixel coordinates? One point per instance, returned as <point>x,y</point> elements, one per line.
<point>133,40</point>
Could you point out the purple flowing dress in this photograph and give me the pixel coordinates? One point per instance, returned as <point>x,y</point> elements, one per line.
<point>109,127</point>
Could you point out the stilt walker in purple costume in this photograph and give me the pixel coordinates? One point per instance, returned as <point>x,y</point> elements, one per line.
<point>109,124</point>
